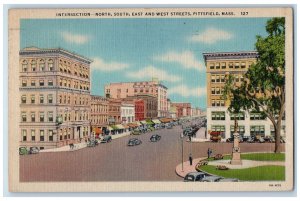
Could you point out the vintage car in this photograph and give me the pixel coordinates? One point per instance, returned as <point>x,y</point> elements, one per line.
<point>215,136</point>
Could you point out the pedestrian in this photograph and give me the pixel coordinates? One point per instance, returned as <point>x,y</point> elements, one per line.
<point>209,151</point>
<point>191,159</point>
<point>190,138</point>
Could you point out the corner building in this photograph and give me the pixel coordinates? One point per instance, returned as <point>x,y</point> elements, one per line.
<point>218,66</point>
<point>54,97</point>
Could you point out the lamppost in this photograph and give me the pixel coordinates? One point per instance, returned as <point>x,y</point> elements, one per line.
<point>182,138</point>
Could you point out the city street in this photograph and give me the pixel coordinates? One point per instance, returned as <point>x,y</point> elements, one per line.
<point>115,161</point>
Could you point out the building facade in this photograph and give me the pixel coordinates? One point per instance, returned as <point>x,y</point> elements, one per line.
<point>99,111</point>
<point>218,67</point>
<point>114,111</point>
<point>139,109</point>
<point>55,97</point>
<point>127,112</point>
<point>154,87</point>
<point>182,109</point>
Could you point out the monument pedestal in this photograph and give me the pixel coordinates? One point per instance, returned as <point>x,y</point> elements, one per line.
<point>236,152</point>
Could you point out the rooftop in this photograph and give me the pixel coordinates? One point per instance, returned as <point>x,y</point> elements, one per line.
<point>35,50</point>
<point>230,55</point>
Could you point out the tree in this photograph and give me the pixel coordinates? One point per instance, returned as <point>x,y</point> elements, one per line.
<point>263,88</point>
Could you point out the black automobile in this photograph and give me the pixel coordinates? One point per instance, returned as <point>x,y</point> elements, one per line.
<point>106,139</point>
<point>34,150</point>
<point>155,138</point>
<point>134,142</point>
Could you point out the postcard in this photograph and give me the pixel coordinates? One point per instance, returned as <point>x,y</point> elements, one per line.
<point>151,99</point>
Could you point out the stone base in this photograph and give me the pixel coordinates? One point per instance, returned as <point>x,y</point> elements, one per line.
<point>236,162</point>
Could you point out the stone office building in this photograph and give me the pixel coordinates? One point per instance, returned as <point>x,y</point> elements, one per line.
<point>218,66</point>
<point>54,97</point>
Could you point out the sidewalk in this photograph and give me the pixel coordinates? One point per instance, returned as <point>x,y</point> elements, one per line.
<point>66,148</point>
<point>120,135</point>
<point>187,168</point>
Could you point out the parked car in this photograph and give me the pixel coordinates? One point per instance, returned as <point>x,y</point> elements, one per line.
<point>215,136</point>
<point>228,180</point>
<point>269,139</point>
<point>106,139</point>
<point>211,179</point>
<point>136,132</point>
<point>155,138</point>
<point>34,150</point>
<point>134,142</point>
<point>169,126</point>
<point>23,151</point>
<point>91,143</point>
<point>194,176</point>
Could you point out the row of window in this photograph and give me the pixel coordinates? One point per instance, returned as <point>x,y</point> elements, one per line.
<point>217,103</point>
<point>232,65</point>
<point>65,83</point>
<point>41,98</point>
<point>33,135</point>
<point>237,116</point>
<point>99,119</point>
<point>217,90</point>
<point>99,108</point>
<point>39,65</point>
<point>218,78</point>
<point>66,99</point>
<point>40,82</point>
<point>50,118</point>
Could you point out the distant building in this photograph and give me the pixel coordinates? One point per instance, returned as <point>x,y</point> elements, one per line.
<point>54,97</point>
<point>218,66</point>
<point>99,111</point>
<point>122,90</point>
<point>195,112</point>
<point>114,111</point>
<point>127,112</point>
<point>182,109</point>
<point>149,107</point>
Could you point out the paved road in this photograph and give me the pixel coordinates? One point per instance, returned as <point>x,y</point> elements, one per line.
<point>116,161</point>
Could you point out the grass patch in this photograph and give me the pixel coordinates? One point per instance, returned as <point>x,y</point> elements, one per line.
<point>258,157</point>
<point>260,173</point>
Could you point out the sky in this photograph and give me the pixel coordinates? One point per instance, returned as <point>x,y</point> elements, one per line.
<point>139,49</point>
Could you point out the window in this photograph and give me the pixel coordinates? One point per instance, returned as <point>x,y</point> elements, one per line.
<point>243,65</point>
<point>50,82</point>
<point>41,83</point>
<point>42,65</point>
<point>257,130</point>
<point>50,132</point>
<point>60,136</point>
<point>236,78</point>
<point>220,128</point>
<point>257,116</point>
<point>60,82</point>
<point>249,64</point>
<point>24,66</point>
<point>213,77</point>
<point>41,99</point>
<point>240,130</point>
<point>238,116</point>
<point>223,78</point>
<point>213,90</point>
<point>32,116</point>
<point>23,116</point>
<point>217,65</point>
<point>212,66</point>
<point>217,90</point>
<point>42,135</point>
<point>218,115</point>
<point>32,99</point>
<point>50,65</point>
<point>24,83</point>
<point>42,117</point>
<point>223,65</point>
<point>33,83</point>
<point>32,135</point>
<point>24,135</point>
<point>230,65</point>
<point>50,116</point>
<point>50,98</point>
<point>242,78</point>
<point>222,103</point>
<point>237,64</point>
<point>23,99</point>
<point>218,78</point>
<point>33,65</point>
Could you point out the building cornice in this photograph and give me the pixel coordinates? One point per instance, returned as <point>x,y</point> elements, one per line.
<point>59,51</point>
<point>230,55</point>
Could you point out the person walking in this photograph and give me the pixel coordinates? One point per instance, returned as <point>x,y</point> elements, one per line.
<point>191,159</point>
<point>209,152</point>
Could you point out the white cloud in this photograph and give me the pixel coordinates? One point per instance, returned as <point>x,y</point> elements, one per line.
<point>211,35</point>
<point>187,59</point>
<point>100,64</point>
<point>186,91</point>
<point>151,71</point>
<point>74,38</point>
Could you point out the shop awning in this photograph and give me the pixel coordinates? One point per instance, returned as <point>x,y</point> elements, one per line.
<point>143,122</point>
<point>125,126</point>
<point>120,126</point>
<point>165,120</point>
<point>132,125</point>
<point>138,123</point>
<point>110,128</point>
<point>156,121</point>
<point>97,131</point>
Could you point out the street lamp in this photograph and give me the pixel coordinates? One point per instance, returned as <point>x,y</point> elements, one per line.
<point>182,138</point>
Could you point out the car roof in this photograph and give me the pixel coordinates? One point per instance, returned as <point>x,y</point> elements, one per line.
<point>195,173</point>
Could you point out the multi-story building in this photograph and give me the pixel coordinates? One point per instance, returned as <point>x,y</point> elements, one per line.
<point>99,111</point>
<point>154,87</point>
<point>149,107</point>
<point>195,112</point>
<point>54,97</point>
<point>218,66</point>
<point>114,111</point>
<point>127,112</point>
<point>139,109</point>
<point>182,109</point>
